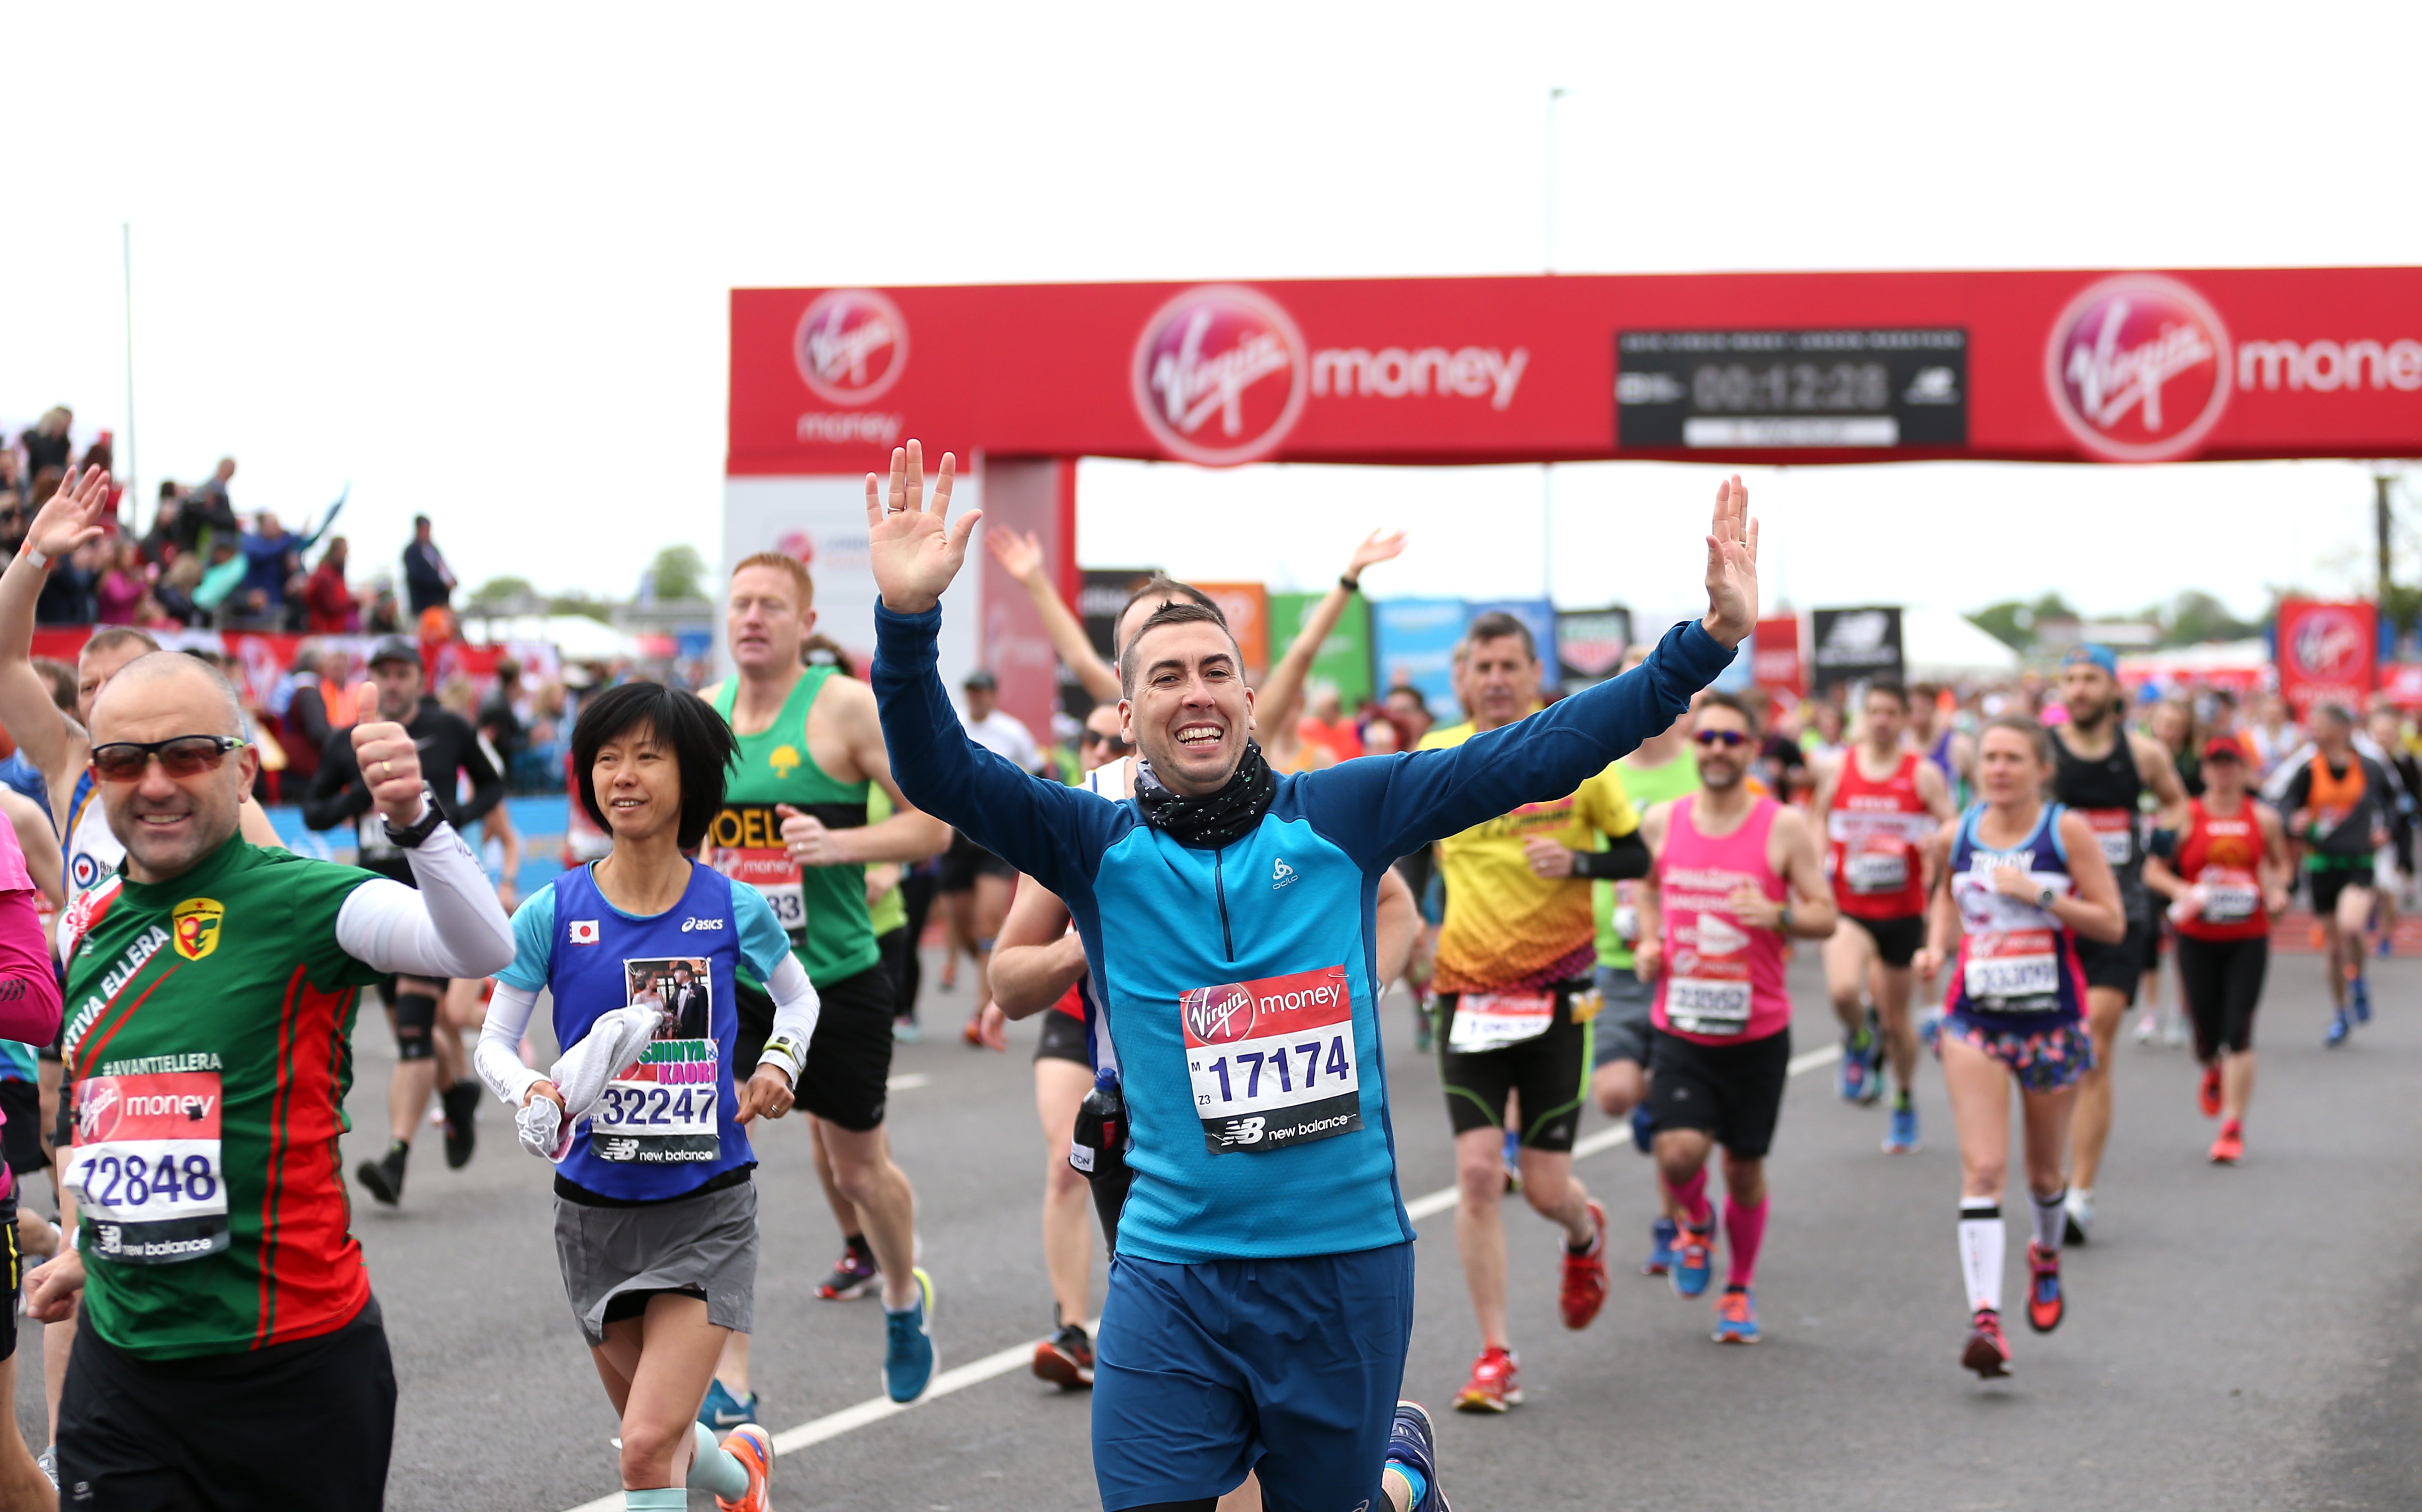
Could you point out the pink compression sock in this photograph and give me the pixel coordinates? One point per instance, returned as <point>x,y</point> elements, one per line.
<point>1744,1231</point>
<point>1691,1196</point>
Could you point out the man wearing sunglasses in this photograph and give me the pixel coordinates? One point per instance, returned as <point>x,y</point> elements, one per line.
<point>231,1351</point>
<point>450,749</point>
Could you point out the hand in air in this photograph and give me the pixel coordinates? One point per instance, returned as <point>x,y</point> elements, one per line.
<point>73,516</point>
<point>390,766</point>
<point>913,546</point>
<point>1379,546</point>
<point>1020,556</point>
<point>1732,566</point>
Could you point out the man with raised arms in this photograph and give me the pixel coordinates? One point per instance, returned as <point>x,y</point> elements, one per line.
<point>1261,1303</point>
<point>793,825</point>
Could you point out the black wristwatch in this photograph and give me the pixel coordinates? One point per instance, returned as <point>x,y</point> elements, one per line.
<point>1349,584</point>
<point>411,836</point>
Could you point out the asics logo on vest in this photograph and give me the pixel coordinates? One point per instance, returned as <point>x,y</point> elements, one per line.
<point>688,925</point>
<point>1281,874</point>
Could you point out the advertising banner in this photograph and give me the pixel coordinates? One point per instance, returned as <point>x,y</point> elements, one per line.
<point>1343,661</point>
<point>2328,653</point>
<point>1854,643</point>
<point>1590,644</point>
<point>1413,640</point>
<point>2036,366</point>
<point>1774,656</point>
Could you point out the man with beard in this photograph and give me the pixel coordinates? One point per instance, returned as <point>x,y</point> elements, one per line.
<point>2102,770</point>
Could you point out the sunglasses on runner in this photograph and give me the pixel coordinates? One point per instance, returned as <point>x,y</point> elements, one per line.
<point>179,755</point>
<point>1097,737</point>
<point>1727,739</point>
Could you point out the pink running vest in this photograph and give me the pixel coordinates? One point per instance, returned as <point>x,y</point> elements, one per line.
<point>1723,981</point>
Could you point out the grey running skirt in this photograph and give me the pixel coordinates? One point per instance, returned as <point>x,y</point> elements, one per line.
<point>705,1246</point>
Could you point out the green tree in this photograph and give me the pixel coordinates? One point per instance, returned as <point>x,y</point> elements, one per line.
<point>580,603</point>
<point>2196,616</point>
<point>503,590</point>
<point>2013,622</point>
<point>678,572</point>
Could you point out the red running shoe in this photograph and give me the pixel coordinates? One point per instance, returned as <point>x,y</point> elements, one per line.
<point>1584,1288</point>
<point>1987,1352</point>
<point>2046,1306</point>
<point>2229,1148</point>
<point>1494,1385</point>
<point>2208,1095</point>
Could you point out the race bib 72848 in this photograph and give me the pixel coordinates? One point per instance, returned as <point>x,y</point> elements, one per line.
<point>1272,1061</point>
<point>146,1171</point>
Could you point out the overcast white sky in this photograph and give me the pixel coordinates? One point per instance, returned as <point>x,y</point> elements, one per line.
<point>474,260</point>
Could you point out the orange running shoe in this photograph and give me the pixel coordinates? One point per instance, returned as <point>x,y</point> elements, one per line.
<point>2208,1095</point>
<point>754,1448</point>
<point>1987,1352</point>
<point>1494,1385</point>
<point>2046,1306</point>
<point>1584,1288</point>
<point>2229,1148</point>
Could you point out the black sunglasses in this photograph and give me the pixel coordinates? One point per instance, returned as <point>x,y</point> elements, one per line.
<point>1727,739</point>
<point>1115,743</point>
<point>181,756</point>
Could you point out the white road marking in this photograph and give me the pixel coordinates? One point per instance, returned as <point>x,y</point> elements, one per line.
<point>975,1373</point>
<point>906,1082</point>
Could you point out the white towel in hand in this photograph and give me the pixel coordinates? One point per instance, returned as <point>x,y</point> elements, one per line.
<point>544,1132</point>
<point>612,1042</point>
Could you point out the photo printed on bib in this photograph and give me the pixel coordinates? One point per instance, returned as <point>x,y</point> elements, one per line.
<point>663,1109</point>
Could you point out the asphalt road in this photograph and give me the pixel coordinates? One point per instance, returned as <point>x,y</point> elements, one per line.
<point>2237,1339</point>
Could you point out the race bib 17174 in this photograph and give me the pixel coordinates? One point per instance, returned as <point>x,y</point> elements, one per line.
<point>1272,1061</point>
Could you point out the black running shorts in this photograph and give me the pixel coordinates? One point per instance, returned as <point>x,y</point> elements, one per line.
<point>1062,1038</point>
<point>2221,981</point>
<point>964,862</point>
<point>1551,1068</point>
<point>2328,882</point>
<point>2118,967</point>
<point>1731,1093</point>
<point>308,1424</point>
<point>849,1060</point>
<point>1897,939</point>
<point>21,1139</point>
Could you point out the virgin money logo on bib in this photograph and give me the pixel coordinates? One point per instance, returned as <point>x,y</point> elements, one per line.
<point>851,346</point>
<point>1220,375</point>
<point>1217,1015</point>
<point>2138,368</point>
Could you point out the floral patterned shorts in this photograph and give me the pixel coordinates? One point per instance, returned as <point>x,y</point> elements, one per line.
<point>2043,1060</point>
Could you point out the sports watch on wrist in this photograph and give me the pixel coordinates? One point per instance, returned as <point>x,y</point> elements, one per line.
<point>2046,898</point>
<point>410,835</point>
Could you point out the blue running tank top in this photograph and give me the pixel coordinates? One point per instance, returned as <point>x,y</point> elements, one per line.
<point>2018,967</point>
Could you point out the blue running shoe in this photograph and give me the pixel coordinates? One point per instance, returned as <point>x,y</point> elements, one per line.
<point>1412,1443</point>
<point>722,1411</point>
<point>908,1346</point>
<point>1694,1259</point>
<point>1929,1029</point>
<point>1736,1316</point>
<point>1901,1138</point>
<point>2359,999</point>
<point>1852,1080</point>
<point>2337,1032</point>
<point>1642,1132</point>
<point>1661,1235</point>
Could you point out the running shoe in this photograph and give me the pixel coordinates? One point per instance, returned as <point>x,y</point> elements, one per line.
<point>1929,1029</point>
<point>722,1411</point>
<point>1901,1137</point>
<point>1513,1160</point>
<point>48,1463</point>
<point>2208,1095</point>
<point>1694,1258</point>
<point>1413,1441</point>
<point>2148,1023</point>
<point>1644,1132</point>
<point>909,1345</point>
<point>1661,1235</point>
<point>2387,944</point>
<point>461,1105</point>
<point>972,1032</point>
<point>2359,999</point>
<point>906,1031</point>
<point>1850,1079</point>
<point>384,1178</point>
<point>1067,1358</point>
<point>2078,1217</point>
<point>754,1448</point>
<point>1874,1091</point>
<point>1496,1383</point>
<point>1584,1286</point>
<point>2046,1306</point>
<point>2229,1148</point>
<point>2174,1032</point>
<point>1987,1352</point>
<point>1736,1316</point>
<point>853,1276</point>
<point>2337,1034</point>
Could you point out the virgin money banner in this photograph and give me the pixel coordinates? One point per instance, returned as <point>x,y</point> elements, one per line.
<point>1853,366</point>
<point>2328,653</point>
<point>1774,656</point>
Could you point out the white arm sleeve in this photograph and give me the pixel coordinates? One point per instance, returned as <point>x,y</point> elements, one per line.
<point>451,927</point>
<point>796,1007</point>
<point>498,1057</point>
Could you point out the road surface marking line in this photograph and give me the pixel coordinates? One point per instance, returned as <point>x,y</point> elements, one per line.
<point>975,1373</point>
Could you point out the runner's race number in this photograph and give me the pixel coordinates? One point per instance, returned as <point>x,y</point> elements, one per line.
<point>1272,1061</point>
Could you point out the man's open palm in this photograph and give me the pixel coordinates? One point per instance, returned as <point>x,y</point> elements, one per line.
<point>915,548</point>
<point>1732,566</point>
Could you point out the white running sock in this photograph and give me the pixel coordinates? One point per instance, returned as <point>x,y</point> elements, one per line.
<point>611,1043</point>
<point>2052,1214</point>
<point>716,1469</point>
<point>1980,1251</point>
